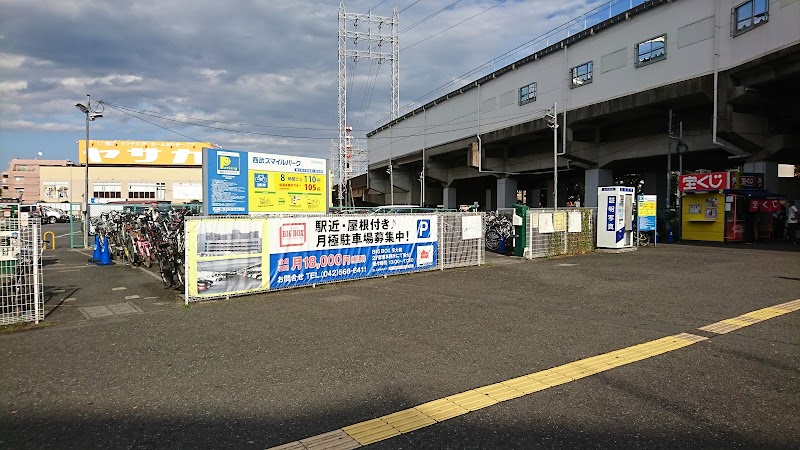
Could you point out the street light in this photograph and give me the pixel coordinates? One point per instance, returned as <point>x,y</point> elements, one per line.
<point>90,116</point>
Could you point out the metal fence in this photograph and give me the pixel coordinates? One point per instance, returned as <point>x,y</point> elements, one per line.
<point>560,232</point>
<point>454,249</point>
<point>21,285</point>
<point>460,243</point>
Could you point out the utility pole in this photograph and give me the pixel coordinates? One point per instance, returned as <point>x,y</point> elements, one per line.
<point>374,50</point>
<point>91,115</point>
<point>552,122</point>
<point>669,162</point>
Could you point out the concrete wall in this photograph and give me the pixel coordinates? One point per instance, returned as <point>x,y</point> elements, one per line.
<point>690,29</point>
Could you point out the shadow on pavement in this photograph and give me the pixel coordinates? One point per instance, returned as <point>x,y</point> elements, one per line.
<point>151,427</point>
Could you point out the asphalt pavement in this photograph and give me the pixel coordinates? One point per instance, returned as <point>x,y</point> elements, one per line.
<point>125,365</point>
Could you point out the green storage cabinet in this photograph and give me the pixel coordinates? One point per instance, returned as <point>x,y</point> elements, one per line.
<point>520,231</point>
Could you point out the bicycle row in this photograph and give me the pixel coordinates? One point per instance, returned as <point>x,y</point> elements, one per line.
<point>145,238</point>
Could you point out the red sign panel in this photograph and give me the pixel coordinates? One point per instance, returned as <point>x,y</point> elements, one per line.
<point>697,182</point>
<point>751,181</point>
<point>763,205</point>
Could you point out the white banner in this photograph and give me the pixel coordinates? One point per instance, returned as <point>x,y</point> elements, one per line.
<point>187,191</point>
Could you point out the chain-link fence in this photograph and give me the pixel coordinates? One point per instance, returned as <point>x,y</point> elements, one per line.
<point>21,285</point>
<point>559,232</point>
<point>461,239</point>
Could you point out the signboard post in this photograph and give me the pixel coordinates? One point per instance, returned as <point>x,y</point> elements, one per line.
<point>646,215</point>
<point>241,183</point>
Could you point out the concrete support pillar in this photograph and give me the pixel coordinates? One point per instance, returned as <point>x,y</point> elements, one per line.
<point>593,179</point>
<point>770,171</point>
<point>506,192</point>
<point>449,198</point>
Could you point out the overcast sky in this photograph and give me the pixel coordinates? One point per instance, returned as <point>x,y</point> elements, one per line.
<point>266,67</point>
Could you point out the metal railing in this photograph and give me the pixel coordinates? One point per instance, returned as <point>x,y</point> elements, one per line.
<point>231,271</point>
<point>21,283</point>
<point>560,232</point>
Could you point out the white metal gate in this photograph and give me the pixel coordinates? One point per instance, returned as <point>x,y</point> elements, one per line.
<point>21,298</point>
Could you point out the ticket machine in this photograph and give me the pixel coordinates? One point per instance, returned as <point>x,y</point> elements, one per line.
<point>615,216</point>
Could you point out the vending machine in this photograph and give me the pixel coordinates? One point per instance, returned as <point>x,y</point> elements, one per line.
<point>615,217</point>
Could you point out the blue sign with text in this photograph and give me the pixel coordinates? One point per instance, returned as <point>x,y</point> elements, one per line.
<point>225,175</point>
<point>327,265</point>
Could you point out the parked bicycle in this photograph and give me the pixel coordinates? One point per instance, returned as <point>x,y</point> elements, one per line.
<point>145,238</point>
<point>497,229</point>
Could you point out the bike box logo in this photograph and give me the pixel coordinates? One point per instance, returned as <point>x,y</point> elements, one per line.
<point>292,234</point>
<point>423,229</point>
<point>425,255</point>
<point>228,163</point>
<point>260,180</point>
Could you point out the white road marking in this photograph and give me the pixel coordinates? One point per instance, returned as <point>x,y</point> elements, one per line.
<point>121,288</point>
<point>157,277</point>
<point>131,297</point>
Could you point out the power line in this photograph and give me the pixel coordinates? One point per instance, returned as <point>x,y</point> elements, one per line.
<point>431,16</point>
<point>213,127</point>
<point>159,114</point>
<point>480,67</point>
<point>402,137</point>
<point>409,6</point>
<point>451,27</point>
<point>151,123</point>
<point>185,120</point>
<point>379,4</point>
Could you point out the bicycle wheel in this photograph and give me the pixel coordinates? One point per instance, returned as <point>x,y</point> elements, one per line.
<point>130,252</point>
<point>165,269</point>
<point>492,240</point>
<point>148,260</point>
<point>179,274</point>
<point>644,239</point>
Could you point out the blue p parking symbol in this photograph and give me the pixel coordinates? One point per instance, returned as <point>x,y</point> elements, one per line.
<point>423,228</point>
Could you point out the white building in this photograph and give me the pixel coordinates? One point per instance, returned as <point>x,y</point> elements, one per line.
<point>729,70</point>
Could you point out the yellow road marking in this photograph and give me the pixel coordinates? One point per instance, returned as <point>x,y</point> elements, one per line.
<point>441,409</point>
<point>408,420</point>
<point>760,315</point>
<point>429,413</point>
<point>371,431</point>
<point>472,400</point>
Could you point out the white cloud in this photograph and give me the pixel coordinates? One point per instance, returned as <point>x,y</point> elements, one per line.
<point>9,61</point>
<point>212,74</point>
<point>39,126</point>
<point>108,80</point>
<point>271,63</point>
<point>11,86</point>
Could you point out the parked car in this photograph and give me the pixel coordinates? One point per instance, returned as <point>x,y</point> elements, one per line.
<point>53,215</point>
<point>46,213</point>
